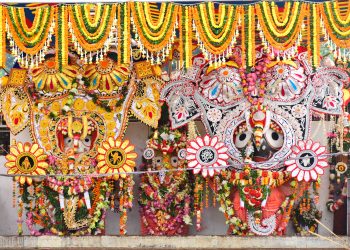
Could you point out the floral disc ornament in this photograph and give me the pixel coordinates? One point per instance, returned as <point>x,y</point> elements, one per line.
<point>206,155</point>
<point>306,161</point>
<point>116,157</point>
<point>26,159</point>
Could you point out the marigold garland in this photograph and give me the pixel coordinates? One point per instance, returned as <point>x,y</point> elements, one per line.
<point>314,36</point>
<point>281,35</point>
<point>216,34</point>
<point>154,34</point>
<point>61,34</point>
<point>337,28</point>
<point>185,42</point>
<point>89,35</point>
<point>248,37</point>
<point>124,47</point>
<point>29,40</point>
<point>2,37</point>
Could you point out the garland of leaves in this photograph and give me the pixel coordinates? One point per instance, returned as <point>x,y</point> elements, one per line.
<point>29,40</point>
<point>154,35</point>
<point>216,35</point>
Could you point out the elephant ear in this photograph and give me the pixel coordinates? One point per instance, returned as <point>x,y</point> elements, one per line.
<point>181,104</point>
<point>328,84</point>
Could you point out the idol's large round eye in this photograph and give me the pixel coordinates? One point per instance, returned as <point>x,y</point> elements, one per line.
<point>68,141</point>
<point>157,161</point>
<point>242,139</point>
<point>274,139</point>
<point>174,161</point>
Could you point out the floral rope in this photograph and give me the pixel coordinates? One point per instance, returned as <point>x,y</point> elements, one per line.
<point>154,37</point>
<point>32,40</point>
<point>61,34</point>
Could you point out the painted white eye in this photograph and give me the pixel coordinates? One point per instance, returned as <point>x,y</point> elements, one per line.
<point>242,139</point>
<point>174,161</point>
<point>68,142</point>
<point>157,161</point>
<point>274,139</point>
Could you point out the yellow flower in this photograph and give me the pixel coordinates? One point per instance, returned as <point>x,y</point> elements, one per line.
<point>116,157</point>
<point>90,105</point>
<point>26,159</point>
<point>79,104</point>
<point>56,106</point>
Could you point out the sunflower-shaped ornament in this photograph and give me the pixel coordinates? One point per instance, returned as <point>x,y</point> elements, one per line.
<point>26,159</point>
<point>116,157</point>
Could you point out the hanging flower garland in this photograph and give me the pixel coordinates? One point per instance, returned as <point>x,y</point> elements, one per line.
<point>2,36</point>
<point>281,34</point>
<point>44,210</point>
<point>337,28</point>
<point>185,36</point>
<point>305,214</point>
<point>216,37</point>
<point>61,35</point>
<point>254,186</point>
<point>254,92</point>
<point>206,155</point>
<point>248,37</point>
<point>92,33</point>
<point>116,157</point>
<point>170,199</point>
<point>156,36</point>
<point>123,31</point>
<point>313,37</point>
<point>306,161</point>
<point>29,45</point>
<point>26,159</point>
<point>70,186</point>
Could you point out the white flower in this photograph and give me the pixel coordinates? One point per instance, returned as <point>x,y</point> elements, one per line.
<point>66,108</point>
<point>214,115</point>
<point>164,136</point>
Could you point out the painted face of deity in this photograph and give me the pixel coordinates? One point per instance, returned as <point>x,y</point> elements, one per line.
<point>258,147</point>
<point>75,136</point>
